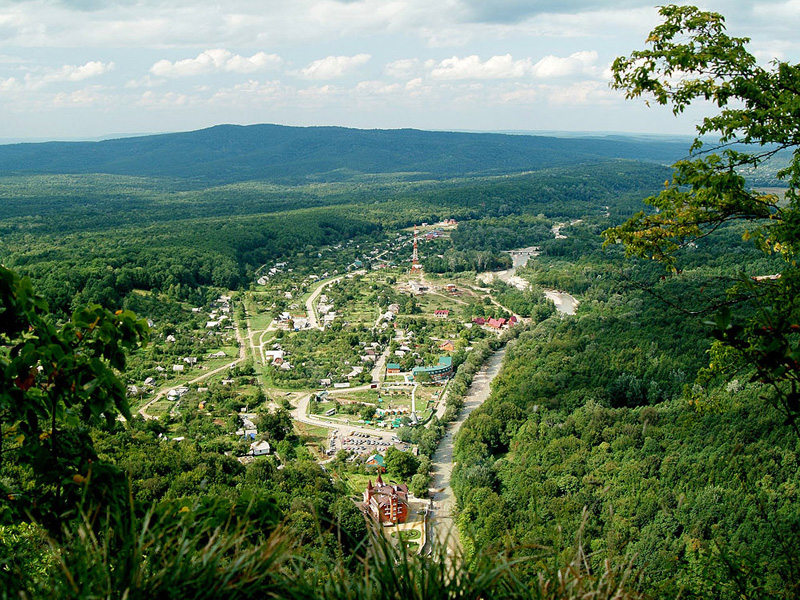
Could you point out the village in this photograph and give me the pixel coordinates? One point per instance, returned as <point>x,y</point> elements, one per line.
<point>348,367</point>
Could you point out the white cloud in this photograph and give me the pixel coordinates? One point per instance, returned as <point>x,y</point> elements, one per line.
<point>582,93</point>
<point>523,96</point>
<point>332,67</point>
<point>251,93</point>
<point>471,67</point>
<point>6,59</point>
<point>555,66</point>
<point>216,60</point>
<point>78,72</point>
<point>403,68</point>
<point>377,88</point>
<point>78,98</point>
<point>144,82</point>
<point>151,99</point>
<point>12,84</point>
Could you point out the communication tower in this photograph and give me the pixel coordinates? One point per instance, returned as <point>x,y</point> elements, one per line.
<point>415,266</point>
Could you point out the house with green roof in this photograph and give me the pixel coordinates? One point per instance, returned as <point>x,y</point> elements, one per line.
<point>439,372</point>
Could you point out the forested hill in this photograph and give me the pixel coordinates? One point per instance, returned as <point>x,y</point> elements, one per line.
<point>231,153</point>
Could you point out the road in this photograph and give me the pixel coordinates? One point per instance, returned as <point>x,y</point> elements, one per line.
<point>300,413</point>
<point>313,321</point>
<point>443,502</point>
<point>163,392</point>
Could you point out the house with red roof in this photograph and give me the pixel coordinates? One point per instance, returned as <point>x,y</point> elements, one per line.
<point>386,503</point>
<point>496,323</point>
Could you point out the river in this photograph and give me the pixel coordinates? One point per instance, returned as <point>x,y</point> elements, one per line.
<point>565,303</point>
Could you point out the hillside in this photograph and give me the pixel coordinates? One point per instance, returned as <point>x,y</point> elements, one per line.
<point>231,153</point>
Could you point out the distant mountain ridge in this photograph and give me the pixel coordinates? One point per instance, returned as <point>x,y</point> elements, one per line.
<point>232,153</point>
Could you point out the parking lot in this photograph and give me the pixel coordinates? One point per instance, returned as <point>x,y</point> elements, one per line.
<point>359,442</point>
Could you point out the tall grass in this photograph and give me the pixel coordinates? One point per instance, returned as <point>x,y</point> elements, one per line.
<point>175,553</point>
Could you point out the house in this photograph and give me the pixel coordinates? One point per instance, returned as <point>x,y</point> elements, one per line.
<point>479,321</point>
<point>190,360</point>
<point>496,323</point>
<point>149,381</point>
<point>177,393</point>
<point>447,346</point>
<point>177,368</point>
<point>443,370</point>
<point>259,448</point>
<point>274,356</point>
<point>170,338</point>
<point>394,308</point>
<point>325,382</point>
<point>392,368</point>
<point>220,354</point>
<point>355,372</point>
<point>387,504</point>
<point>451,288</point>
<point>376,460</point>
<point>441,314</point>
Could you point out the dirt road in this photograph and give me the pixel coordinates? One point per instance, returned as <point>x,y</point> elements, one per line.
<point>443,503</point>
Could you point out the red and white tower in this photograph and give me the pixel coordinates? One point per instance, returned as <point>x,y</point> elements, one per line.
<point>415,266</point>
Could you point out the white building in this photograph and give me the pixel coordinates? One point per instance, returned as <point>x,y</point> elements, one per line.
<point>260,448</point>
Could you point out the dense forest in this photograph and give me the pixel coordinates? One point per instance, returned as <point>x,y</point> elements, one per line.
<point>94,238</point>
<point>229,153</point>
<point>589,433</point>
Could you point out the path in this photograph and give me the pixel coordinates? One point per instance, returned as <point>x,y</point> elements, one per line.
<point>311,311</point>
<point>164,391</point>
<point>443,502</point>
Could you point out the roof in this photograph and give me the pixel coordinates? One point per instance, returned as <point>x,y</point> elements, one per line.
<point>377,459</point>
<point>446,361</point>
<point>393,366</point>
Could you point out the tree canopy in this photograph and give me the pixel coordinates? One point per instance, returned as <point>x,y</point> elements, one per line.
<point>691,58</point>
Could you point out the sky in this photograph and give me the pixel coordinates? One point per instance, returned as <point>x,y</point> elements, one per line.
<point>82,69</point>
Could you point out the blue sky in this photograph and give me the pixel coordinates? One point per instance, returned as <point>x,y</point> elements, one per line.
<point>88,68</point>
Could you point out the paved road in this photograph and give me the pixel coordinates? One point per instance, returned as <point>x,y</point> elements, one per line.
<point>300,413</point>
<point>442,523</point>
